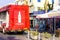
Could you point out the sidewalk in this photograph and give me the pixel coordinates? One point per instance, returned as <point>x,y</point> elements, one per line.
<point>47,36</point>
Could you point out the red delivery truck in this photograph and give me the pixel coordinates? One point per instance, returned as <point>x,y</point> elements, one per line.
<point>14,18</point>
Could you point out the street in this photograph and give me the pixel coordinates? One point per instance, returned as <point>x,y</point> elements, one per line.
<point>13,36</point>
<point>19,36</point>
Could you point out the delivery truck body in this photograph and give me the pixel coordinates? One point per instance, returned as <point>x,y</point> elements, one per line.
<point>14,18</point>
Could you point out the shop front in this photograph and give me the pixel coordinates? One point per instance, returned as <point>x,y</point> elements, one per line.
<point>49,22</point>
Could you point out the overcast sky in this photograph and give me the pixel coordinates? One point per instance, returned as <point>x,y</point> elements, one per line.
<point>6,2</point>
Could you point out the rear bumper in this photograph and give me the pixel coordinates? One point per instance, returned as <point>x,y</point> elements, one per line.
<point>16,30</point>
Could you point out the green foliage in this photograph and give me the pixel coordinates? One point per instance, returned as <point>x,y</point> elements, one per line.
<point>50,6</point>
<point>34,33</point>
<point>46,34</point>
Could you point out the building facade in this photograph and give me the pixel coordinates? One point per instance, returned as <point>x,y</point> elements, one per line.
<point>34,7</point>
<point>56,3</point>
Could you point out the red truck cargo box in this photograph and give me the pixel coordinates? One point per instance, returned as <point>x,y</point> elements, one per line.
<point>18,17</point>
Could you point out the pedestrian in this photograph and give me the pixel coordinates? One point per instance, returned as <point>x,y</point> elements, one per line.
<point>3,27</point>
<point>36,27</point>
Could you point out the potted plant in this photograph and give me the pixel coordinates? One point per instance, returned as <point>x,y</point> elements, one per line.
<point>34,35</point>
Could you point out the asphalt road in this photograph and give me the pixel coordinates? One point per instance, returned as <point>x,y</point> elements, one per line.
<point>13,36</point>
<point>17,36</point>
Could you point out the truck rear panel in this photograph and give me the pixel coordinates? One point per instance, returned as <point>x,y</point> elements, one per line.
<point>19,17</point>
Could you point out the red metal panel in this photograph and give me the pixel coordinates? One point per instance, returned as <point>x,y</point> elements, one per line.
<point>27,18</point>
<point>14,11</point>
<point>13,14</point>
<point>11,19</point>
<point>18,25</point>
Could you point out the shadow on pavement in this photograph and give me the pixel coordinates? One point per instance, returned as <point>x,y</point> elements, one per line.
<point>8,36</point>
<point>16,33</point>
<point>2,38</point>
<point>12,38</point>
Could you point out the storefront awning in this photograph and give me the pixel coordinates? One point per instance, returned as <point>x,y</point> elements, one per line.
<point>49,15</point>
<point>42,16</point>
